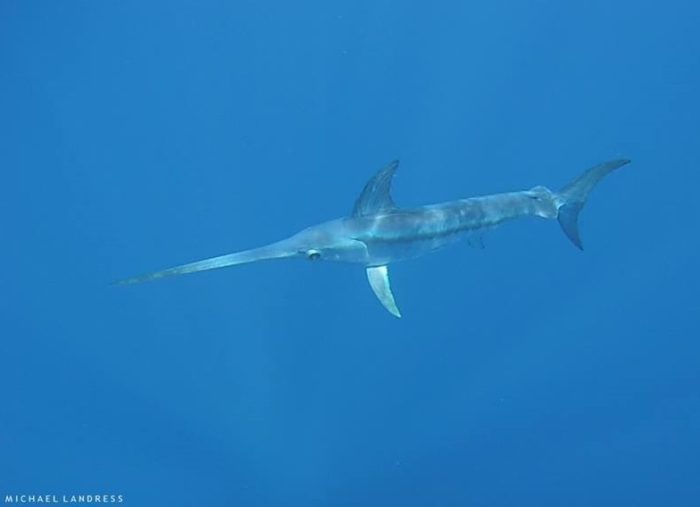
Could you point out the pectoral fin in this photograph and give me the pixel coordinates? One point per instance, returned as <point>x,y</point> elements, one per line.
<point>378,277</point>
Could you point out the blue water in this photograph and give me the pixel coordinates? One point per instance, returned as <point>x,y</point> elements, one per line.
<point>135,136</point>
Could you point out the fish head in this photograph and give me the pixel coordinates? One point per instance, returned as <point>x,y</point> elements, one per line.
<point>329,241</point>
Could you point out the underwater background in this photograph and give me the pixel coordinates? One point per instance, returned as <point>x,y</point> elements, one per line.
<point>140,135</point>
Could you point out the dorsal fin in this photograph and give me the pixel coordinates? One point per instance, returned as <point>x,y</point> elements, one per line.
<point>376,196</point>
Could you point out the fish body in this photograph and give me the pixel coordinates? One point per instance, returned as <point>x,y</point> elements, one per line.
<point>378,233</point>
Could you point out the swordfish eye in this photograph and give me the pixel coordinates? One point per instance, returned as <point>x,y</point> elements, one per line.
<point>313,255</point>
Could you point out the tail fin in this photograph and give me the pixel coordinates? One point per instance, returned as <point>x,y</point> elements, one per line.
<point>573,197</point>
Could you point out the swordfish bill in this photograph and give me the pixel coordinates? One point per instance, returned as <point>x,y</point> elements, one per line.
<point>378,233</point>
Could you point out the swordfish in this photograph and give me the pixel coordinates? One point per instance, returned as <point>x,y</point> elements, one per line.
<point>378,233</point>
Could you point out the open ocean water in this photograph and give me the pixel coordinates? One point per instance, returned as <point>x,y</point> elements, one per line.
<point>139,135</point>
